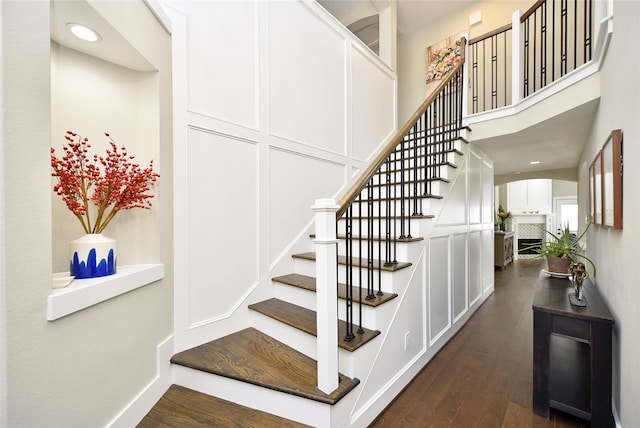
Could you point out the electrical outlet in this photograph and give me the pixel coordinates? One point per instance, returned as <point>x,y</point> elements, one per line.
<point>406,339</point>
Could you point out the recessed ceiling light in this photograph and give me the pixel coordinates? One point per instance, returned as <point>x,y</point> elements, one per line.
<point>83,32</point>
<point>534,162</point>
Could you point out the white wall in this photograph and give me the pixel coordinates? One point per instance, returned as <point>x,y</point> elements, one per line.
<point>412,48</point>
<point>615,251</point>
<point>83,369</point>
<point>276,105</point>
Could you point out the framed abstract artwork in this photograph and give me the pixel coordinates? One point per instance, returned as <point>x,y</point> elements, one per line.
<point>612,180</point>
<point>597,188</point>
<point>441,57</point>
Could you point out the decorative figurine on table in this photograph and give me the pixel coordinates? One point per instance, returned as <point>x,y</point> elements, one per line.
<point>579,273</point>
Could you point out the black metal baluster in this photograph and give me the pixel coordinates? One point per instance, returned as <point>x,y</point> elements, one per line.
<point>543,45</point>
<point>387,241</point>
<point>370,234</point>
<point>575,34</point>
<point>361,264</point>
<point>349,275</point>
<point>380,213</point>
<point>525,78</point>
<point>563,37</point>
<point>494,72</point>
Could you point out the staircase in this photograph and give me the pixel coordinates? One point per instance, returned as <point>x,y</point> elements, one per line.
<point>278,356</point>
<point>259,375</point>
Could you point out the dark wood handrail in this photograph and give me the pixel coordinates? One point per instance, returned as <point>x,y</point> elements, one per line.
<point>381,158</point>
<point>531,10</point>
<point>490,34</point>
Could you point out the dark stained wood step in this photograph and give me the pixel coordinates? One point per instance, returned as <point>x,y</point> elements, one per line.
<point>410,150</point>
<point>309,283</point>
<point>412,181</point>
<point>408,217</point>
<point>184,407</point>
<point>375,238</point>
<point>406,198</point>
<point>377,264</point>
<point>305,320</point>
<point>256,358</point>
<point>436,164</point>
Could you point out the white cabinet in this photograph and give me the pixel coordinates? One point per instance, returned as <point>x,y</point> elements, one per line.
<point>529,196</point>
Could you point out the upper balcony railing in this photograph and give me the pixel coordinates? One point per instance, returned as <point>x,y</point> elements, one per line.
<point>547,42</point>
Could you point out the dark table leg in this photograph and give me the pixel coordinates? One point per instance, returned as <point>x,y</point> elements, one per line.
<point>541,338</point>
<point>601,415</point>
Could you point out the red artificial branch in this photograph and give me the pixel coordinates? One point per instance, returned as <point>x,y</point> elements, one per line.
<point>112,183</point>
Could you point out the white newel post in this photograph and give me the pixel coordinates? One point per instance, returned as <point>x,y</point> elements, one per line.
<point>326,293</point>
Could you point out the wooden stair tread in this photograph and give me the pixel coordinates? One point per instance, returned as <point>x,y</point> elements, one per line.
<point>375,238</point>
<point>377,264</point>
<point>305,320</point>
<point>254,357</point>
<point>397,217</point>
<point>309,283</point>
<point>184,407</point>
<point>412,181</point>
<point>435,164</point>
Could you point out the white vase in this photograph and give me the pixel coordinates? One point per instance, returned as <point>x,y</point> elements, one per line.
<point>92,256</point>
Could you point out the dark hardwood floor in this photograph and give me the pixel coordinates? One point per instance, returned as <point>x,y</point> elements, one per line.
<point>483,376</point>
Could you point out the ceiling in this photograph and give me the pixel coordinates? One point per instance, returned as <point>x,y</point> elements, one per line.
<point>112,47</point>
<point>557,143</point>
<point>361,16</point>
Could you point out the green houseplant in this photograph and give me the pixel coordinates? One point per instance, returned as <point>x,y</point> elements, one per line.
<point>502,217</point>
<point>562,250</point>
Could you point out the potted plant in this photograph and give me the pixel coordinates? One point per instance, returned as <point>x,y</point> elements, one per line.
<point>503,216</point>
<point>95,189</point>
<point>562,250</point>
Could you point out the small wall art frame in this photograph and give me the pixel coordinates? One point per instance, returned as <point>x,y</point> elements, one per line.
<point>605,183</point>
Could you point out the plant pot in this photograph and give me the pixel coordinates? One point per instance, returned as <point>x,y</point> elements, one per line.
<point>92,256</point>
<point>558,264</point>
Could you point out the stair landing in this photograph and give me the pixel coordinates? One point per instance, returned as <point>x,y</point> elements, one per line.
<point>253,357</point>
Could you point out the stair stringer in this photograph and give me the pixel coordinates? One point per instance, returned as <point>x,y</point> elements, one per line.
<point>381,383</point>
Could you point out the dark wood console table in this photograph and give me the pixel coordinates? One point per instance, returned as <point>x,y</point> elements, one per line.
<point>571,353</point>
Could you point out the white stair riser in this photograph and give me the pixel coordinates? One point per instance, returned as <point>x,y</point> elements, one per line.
<point>281,404</point>
<point>381,230</point>
<point>304,342</point>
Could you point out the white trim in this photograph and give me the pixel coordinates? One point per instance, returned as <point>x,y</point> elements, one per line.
<point>136,410</point>
<point>82,293</point>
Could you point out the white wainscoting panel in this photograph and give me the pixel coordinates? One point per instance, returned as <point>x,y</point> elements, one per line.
<point>475,266</point>
<point>454,210</point>
<point>222,55</point>
<point>475,188</point>
<point>295,182</point>
<point>372,105</point>
<point>487,259</point>
<point>306,72</point>
<point>223,211</point>
<point>487,193</point>
<point>459,269</point>
<point>439,287</point>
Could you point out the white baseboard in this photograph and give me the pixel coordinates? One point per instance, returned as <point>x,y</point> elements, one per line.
<point>133,413</point>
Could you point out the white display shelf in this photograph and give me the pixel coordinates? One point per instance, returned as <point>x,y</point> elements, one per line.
<point>82,293</point>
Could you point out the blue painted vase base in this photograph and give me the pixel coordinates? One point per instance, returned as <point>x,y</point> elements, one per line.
<point>92,268</point>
